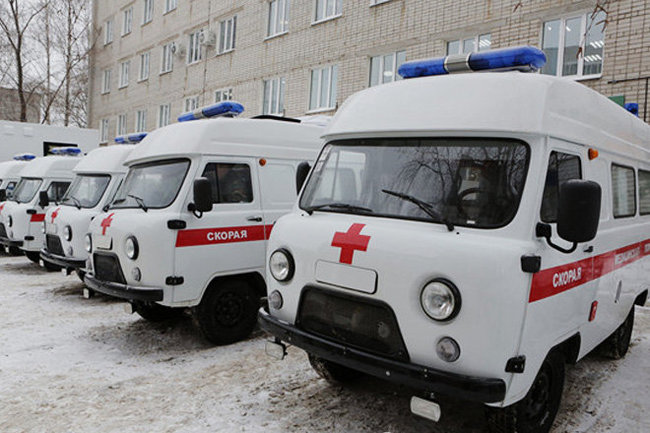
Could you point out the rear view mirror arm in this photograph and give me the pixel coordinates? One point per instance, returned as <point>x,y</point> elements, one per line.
<point>544,230</point>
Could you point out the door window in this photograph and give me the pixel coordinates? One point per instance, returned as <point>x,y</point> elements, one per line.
<point>56,190</point>
<point>231,183</point>
<point>561,167</point>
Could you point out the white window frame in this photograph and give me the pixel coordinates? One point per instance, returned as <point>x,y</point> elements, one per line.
<point>561,40</point>
<point>221,95</point>
<point>335,6</point>
<point>170,5</point>
<point>194,47</point>
<point>147,11</point>
<point>227,35</point>
<point>108,32</point>
<point>277,87</point>
<point>319,106</point>
<point>145,60</point>
<point>167,58</point>
<point>191,103</point>
<point>396,76</point>
<point>124,73</point>
<point>121,128</point>
<point>127,21</point>
<point>106,81</point>
<point>477,42</point>
<point>164,115</point>
<point>141,121</point>
<point>103,130</point>
<point>277,22</point>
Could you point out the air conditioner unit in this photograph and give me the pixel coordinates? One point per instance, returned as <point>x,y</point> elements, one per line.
<point>208,38</point>
<point>173,47</point>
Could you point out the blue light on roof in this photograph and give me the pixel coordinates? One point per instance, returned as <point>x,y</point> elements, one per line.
<point>524,58</point>
<point>223,109</point>
<point>633,108</point>
<point>24,157</point>
<point>130,138</point>
<point>66,151</point>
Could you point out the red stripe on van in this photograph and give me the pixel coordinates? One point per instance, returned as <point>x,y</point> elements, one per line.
<point>37,218</point>
<point>222,235</point>
<point>553,281</point>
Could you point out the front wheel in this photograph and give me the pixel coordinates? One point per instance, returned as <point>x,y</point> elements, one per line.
<point>34,257</point>
<point>155,312</point>
<point>616,345</point>
<point>228,312</point>
<point>537,411</point>
<point>334,373</point>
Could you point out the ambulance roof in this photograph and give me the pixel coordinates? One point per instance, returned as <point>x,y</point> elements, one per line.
<point>11,169</point>
<point>51,166</point>
<point>493,103</point>
<point>230,137</point>
<point>108,159</point>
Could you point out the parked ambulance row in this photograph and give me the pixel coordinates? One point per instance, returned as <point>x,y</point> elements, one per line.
<point>465,235</point>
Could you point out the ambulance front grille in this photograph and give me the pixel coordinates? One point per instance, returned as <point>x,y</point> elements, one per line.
<point>3,231</point>
<point>54,246</point>
<point>362,323</point>
<point>107,268</point>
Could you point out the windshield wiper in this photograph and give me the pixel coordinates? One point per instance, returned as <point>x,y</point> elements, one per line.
<point>343,206</point>
<point>77,203</point>
<point>426,207</point>
<point>139,201</point>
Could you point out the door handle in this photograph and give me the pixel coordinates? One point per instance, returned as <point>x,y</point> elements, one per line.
<point>589,249</point>
<point>254,218</point>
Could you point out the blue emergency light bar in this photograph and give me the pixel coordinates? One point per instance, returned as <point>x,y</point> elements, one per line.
<point>223,109</point>
<point>130,138</point>
<point>24,157</point>
<point>524,58</point>
<point>633,108</point>
<point>66,151</point>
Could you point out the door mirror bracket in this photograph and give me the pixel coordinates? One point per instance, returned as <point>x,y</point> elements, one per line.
<point>544,230</point>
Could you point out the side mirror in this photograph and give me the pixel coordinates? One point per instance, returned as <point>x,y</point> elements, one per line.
<point>3,195</point>
<point>202,196</point>
<point>43,199</point>
<point>301,175</point>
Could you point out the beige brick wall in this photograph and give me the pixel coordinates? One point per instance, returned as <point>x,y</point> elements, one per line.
<point>421,27</point>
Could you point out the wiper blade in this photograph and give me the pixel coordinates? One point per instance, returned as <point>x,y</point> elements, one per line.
<point>119,200</point>
<point>344,206</point>
<point>139,201</point>
<point>426,207</point>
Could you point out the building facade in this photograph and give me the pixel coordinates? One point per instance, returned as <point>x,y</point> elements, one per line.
<point>10,105</point>
<point>155,59</point>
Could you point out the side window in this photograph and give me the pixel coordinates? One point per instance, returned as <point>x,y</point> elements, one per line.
<point>623,191</point>
<point>57,190</point>
<point>644,192</point>
<point>231,183</point>
<point>561,167</point>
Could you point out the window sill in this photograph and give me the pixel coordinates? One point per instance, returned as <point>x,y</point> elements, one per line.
<point>379,3</point>
<point>142,80</point>
<point>324,20</point>
<point>168,12</point>
<point>165,72</point>
<point>277,35</point>
<point>225,52</point>
<point>320,110</point>
<point>108,43</point>
<point>196,62</point>
<point>125,34</point>
<point>586,77</point>
<point>123,87</point>
<point>105,93</point>
<point>148,22</point>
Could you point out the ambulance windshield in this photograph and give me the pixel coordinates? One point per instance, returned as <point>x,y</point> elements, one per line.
<point>26,189</point>
<point>152,185</point>
<point>465,181</point>
<point>86,190</point>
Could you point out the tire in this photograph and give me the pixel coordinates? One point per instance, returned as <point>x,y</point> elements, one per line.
<point>81,274</point>
<point>334,373</point>
<point>153,312</point>
<point>537,411</point>
<point>617,344</point>
<point>14,251</point>
<point>34,257</point>
<point>228,312</point>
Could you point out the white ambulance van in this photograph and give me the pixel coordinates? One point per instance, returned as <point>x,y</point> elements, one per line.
<point>189,225</point>
<point>467,235</point>
<point>10,174</point>
<point>43,182</point>
<point>97,178</point>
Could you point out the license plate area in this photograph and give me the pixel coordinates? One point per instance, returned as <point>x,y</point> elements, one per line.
<point>103,242</point>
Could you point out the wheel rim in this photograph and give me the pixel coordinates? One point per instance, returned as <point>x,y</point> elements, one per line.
<point>537,401</point>
<point>229,309</point>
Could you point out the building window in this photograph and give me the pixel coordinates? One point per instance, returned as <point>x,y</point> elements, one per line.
<point>323,88</point>
<point>470,45</point>
<point>127,21</point>
<point>194,52</point>
<point>121,124</point>
<point>278,21</point>
<point>327,9</point>
<point>623,191</point>
<point>227,31</point>
<point>191,103</point>
<point>170,5</point>
<point>144,66</point>
<point>564,39</point>
<point>148,12</point>
<point>103,130</point>
<point>383,69</point>
<point>644,192</point>
<point>274,96</point>
<point>141,121</point>
<point>108,32</point>
<point>106,81</point>
<point>223,95</point>
<point>167,63</point>
<point>124,73</point>
<point>163,115</point>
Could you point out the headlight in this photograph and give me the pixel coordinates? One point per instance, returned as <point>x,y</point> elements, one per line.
<point>88,243</point>
<point>440,300</point>
<point>281,265</point>
<point>67,233</point>
<point>131,248</point>
<point>11,221</point>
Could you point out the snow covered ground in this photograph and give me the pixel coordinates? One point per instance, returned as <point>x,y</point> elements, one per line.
<point>73,365</point>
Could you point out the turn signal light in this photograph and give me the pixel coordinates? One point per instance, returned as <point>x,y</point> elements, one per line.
<point>593,154</point>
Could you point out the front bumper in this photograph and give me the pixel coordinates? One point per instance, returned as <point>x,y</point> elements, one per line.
<point>486,390</point>
<point>9,243</point>
<point>64,262</point>
<point>124,291</point>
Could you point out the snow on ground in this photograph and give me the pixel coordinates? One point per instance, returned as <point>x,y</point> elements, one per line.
<point>73,365</point>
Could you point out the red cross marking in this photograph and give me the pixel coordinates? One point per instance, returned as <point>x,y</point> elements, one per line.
<point>2,206</point>
<point>106,222</point>
<point>350,242</point>
<point>55,214</point>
